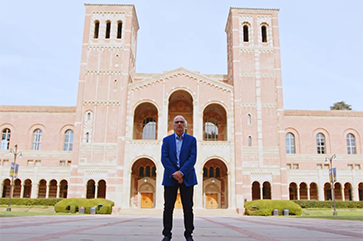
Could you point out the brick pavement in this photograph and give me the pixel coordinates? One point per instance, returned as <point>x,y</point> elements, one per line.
<point>147,227</point>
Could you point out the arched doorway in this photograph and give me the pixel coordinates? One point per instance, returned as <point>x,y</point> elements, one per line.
<point>266,190</point>
<point>17,188</point>
<point>327,191</point>
<point>314,191</point>
<point>63,189</point>
<point>256,194</point>
<point>348,192</point>
<point>101,189</point>
<point>6,188</point>
<point>293,191</point>
<point>303,191</point>
<point>338,191</point>
<point>181,103</point>
<point>360,191</point>
<point>215,184</point>
<point>52,189</point>
<point>42,188</point>
<point>91,188</point>
<point>27,188</point>
<point>143,183</point>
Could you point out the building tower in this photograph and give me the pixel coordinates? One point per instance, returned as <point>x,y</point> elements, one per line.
<point>107,66</point>
<point>255,72</point>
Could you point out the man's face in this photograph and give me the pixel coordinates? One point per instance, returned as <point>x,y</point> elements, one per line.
<point>179,125</point>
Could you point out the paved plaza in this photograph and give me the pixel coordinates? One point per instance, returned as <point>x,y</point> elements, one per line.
<point>147,227</point>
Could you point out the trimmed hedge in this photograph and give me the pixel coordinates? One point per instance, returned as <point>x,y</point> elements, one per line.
<point>73,205</point>
<point>30,201</point>
<point>329,204</point>
<point>266,207</point>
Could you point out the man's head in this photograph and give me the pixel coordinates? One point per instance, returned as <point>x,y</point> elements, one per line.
<point>179,125</point>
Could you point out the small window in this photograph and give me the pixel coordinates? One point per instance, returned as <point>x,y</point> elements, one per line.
<point>350,166</point>
<point>326,166</point>
<point>89,116</point>
<point>5,162</point>
<point>249,141</point>
<point>97,29</point>
<point>5,139</point>
<point>38,163</point>
<point>30,163</point>
<point>62,163</point>
<point>357,166</point>
<point>149,129</point>
<point>37,139</point>
<point>119,29</point>
<point>290,143</point>
<point>320,143</point>
<point>205,172</point>
<point>108,29</point>
<point>211,172</point>
<point>288,166</point>
<point>351,144</point>
<point>211,131</point>
<point>264,34</point>
<point>153,171</point>
<point>68,140</point>
<point>69,163</point>
<point>245,33</point>
<point>319,166</point>
<point>141,172</point>
<point>147,171</point>
<point>87,137</point>
<point>218,172</point>
<point>249,119</point>
<point>295,166</point>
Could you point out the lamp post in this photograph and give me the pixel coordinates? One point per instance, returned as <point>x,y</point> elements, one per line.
<point>15,153</point>
<point>332,179</point>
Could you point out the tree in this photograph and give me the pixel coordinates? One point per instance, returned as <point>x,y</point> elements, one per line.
<point>341,105</point>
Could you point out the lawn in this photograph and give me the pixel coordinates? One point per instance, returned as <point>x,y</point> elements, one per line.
<point>327,213</point>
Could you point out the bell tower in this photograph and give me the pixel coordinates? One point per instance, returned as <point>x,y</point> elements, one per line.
<point>107,67</point>
<point>254,69</point>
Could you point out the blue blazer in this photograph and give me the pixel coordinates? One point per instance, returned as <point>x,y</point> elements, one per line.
<point>188,157</point>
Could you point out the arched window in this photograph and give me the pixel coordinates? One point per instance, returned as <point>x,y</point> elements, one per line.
<point>211,171</point>
<point>68,140</point>
<point>211,131</point>
<point>205,172</point>
<point>37,139</point>
<point>249,119</point>
<point>119,29</point>
<point>87,137</point>
<point>249,141</point>
<point>5,139</point>
<point>97,29</point>
<point>147,171</point>
<point>153,171</point>
<point>108,29</point>
<point>245,33</point>
<point>141,172</point>
<point>264,33</point>
<point>89,116</point>
<point>320,143</point>
<point>290,143</point>
<point>218,172</point>
<point>149,129</point>
<point>351,144</point>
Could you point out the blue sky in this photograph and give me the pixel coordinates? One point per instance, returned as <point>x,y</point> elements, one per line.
<point>321,47</point>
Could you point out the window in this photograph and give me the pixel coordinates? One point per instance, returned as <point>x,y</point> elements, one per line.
<point>108,29</point>
<point>211,172</point>
<point>264,34</point>
<point>288,166</point>
<point>97,28</point>
<point>211,131</point>
<point>5,162</point>
<point>37,139</point>
<point>319,166</point>
<point>249,141</point>
<point>141,172</point>
<point>147,171</point>
<point>38,163</point>
<point>218,172</point>
<point>350,166</point>
<point>153,171</point>
<point>87,137</point>
<point>68,140</point>
<point>149,129</point>
<point>89,116</point>
<point>356,166</point>
<point>30,163</point>
<point>119,29</point>
<point>249,119</point>
<point>205,172</point>
<point>245,33</point>
<point>326,166</point>
<point>320,143</point>
<point>5,139</point>
<point>290,143</point>
<point>351,144</point>
<point>62,163</point>
<point>295,166</point>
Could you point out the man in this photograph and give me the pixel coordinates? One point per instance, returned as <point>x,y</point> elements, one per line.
<point>178,156</point>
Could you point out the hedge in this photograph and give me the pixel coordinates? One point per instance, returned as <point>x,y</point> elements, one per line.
<point>266,207</point>
<point>30,201</point>
<point>73,205</point>
<point>329,204</point>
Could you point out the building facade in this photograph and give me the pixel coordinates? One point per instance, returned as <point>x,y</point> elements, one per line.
<point>249,146</point>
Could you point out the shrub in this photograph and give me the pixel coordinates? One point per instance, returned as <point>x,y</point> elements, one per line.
<point>30,201</point>
<point>266,207</point>
<point>329,204</point>
<point>73,205</point>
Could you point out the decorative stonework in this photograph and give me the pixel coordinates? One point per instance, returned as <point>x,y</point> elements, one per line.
<point>104,102</point>
<point>51,109</point>
<point>102,47</point>
<point>329,113</point>
<point>96,171</point>
<point>103,72</point>
<point>261,173</point>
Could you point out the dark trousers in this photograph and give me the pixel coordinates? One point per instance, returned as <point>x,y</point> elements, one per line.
<point>170,194</point>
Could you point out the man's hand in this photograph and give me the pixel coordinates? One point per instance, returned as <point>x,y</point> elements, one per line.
<point>178,176</point>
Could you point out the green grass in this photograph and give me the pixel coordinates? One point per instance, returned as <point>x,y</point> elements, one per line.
<point>21,214</point>
<point>327,213</point>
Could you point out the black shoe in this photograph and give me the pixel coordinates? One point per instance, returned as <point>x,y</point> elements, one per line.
<point>189,239</point>
<point>166,238</point>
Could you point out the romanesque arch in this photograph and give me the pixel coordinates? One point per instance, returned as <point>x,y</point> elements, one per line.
<point>214,123</point>
<point>145,122</point>
<point>215,184</point>
<point>143,183</point>
<point>180,103</point>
